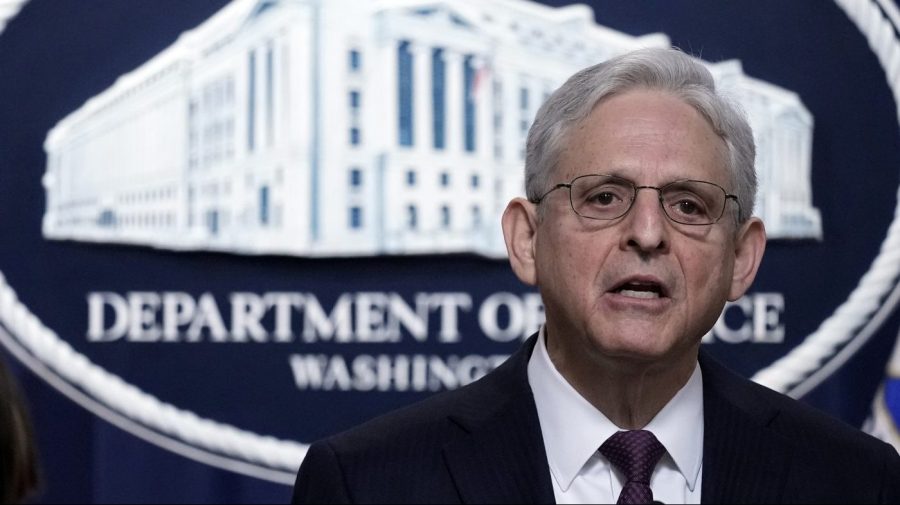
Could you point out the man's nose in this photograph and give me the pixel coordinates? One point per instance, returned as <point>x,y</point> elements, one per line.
<point>646,225</point>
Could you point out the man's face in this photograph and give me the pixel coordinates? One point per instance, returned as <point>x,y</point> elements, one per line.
<point>640,287</point>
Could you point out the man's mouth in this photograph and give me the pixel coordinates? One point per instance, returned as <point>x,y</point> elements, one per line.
<point>645,290</point>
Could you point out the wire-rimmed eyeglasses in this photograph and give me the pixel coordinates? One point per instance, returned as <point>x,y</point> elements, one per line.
<point>607,197</point>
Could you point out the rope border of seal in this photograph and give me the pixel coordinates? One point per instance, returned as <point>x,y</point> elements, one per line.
<point>876,295</point>
<point>181,431</point>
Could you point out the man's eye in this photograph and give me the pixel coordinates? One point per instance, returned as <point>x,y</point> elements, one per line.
<point>604,198</point>
<point>688,208</point>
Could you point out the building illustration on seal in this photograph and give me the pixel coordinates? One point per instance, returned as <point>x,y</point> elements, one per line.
<point>356,128</point>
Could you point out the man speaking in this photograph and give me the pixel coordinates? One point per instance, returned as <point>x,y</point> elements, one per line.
<point>637,229</point>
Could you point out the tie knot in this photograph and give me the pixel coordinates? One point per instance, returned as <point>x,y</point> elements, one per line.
<point>635,453</point>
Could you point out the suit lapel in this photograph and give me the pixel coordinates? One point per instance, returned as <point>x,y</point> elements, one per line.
<point>502,460</point>
<point>743,460</point>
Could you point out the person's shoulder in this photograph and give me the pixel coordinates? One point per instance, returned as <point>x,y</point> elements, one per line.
<point>384,460</point>
<point>806,426</point>
<point>806,423</point>
<point>442,416</point>
<point>808,454</point>
<point>398,457</point>
<point>422,419</point>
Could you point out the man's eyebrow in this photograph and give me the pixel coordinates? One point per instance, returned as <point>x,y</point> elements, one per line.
<point>619,172</point>
<point>614,171</point>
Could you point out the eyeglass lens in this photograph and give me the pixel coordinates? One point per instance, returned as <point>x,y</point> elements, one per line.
<point>609,197</point>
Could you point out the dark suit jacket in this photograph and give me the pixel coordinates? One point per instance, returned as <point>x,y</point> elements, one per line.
<point>483,444</point>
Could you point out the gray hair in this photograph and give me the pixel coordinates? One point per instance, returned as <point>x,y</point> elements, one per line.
<point>668,70</point>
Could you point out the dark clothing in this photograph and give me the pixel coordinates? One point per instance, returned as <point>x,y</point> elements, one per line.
<point>482,444</point>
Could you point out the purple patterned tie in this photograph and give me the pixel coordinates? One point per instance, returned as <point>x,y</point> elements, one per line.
<point>635,453</point>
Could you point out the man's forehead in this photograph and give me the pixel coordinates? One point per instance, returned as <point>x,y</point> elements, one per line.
<point>645,134</point>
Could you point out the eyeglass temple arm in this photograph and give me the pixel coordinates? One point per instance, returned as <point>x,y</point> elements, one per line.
<point>554,188</point>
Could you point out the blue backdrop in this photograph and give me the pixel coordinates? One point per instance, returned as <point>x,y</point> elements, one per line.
<point>56,54</point>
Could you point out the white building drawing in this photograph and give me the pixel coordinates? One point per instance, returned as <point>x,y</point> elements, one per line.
<point>356,127</point>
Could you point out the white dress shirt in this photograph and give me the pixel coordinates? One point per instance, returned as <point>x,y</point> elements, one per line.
<point>573,431</point>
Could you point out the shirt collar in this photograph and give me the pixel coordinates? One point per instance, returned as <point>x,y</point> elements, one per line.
<point>573,429</point>
<point>679,427</point>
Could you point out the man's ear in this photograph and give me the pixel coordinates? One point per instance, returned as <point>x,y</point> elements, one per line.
<point>519,228</point>
<point>749,246</point>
